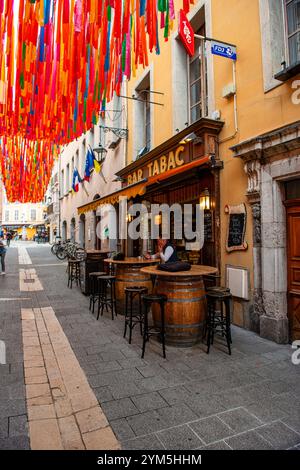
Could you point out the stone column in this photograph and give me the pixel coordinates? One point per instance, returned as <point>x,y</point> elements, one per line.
<point>253,169</point>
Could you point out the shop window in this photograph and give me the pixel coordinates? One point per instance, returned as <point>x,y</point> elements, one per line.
<point>197,79</point>
<point>62,182</point>
<point>292,189</point>
<point>292,14</point>
<point>6,216</point>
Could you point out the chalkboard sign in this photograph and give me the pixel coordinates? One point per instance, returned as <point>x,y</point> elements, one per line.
<point>208,226</point>
<point>236,228</point>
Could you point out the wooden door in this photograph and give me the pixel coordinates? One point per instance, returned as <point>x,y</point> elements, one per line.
<point>293,242</point>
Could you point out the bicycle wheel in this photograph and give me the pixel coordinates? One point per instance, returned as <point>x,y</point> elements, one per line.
<point>54,249</point>
<point>61,253</point>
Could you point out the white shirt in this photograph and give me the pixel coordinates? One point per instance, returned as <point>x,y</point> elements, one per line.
<point>166,255</point>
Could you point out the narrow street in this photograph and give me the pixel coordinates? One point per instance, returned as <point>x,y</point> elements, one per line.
<point>72,382</point>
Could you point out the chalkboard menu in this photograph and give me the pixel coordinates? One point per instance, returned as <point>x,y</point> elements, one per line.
<point>208,226</point>
<point>236,228</point>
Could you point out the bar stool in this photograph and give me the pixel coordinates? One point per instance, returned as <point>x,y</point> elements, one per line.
<point>94,287</point>
<point>216,321</point>
<point>133,318</point>
<point>107,295</point>
<point>73,272</point>
<point>148,300</point>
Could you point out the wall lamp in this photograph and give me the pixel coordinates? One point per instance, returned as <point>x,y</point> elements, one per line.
<point>192,137</point>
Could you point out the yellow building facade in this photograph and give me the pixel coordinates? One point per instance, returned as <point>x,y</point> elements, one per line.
<point>245,115</point>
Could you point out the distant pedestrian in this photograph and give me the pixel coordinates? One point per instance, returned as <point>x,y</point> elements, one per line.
<point>8,238</point>
<point>2,256</point>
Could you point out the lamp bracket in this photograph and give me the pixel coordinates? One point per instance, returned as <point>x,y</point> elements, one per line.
<point>119,132</point>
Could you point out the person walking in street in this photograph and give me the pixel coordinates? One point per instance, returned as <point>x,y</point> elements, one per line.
<point>2,256</point>
<point>8,238</point>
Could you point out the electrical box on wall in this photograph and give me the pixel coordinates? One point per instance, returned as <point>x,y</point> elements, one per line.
<point>229,90</point>
<point>237,279</point>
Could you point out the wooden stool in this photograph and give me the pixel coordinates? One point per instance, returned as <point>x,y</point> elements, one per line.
<point>107,299</point>
<point>94,287</point>
<point>148,300</point>
<point>216,320</point>
<point>133,318</point>
<point>73,272</point>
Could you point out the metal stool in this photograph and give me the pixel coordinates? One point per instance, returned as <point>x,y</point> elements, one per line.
<point>94,287</point>
<point>133,318</point>
<point>148,300</point>
<point>73,272</point>
<point>216,321</point>
<point>217,289</point>
<point>107,299</point>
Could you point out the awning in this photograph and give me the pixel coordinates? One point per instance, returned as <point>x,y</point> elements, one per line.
<point>136,189</point>
<point>139,189</point>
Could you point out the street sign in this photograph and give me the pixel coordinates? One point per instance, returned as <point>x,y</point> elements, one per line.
<point>186,33</point>
<point>224,50</point>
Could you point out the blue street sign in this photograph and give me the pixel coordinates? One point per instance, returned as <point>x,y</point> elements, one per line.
<point>224,50</point>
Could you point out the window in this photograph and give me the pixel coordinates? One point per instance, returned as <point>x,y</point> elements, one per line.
<point>33,214</point>
<point>72,167</point>
<point>83,156</point>
<point>197,76</point>
<point>292,12</point>
<point>6,216</point>
<point>62,183</point>
<point>68,178</point>
<point>145,96</point>
<point>16,215</point>
<point>77,160</point>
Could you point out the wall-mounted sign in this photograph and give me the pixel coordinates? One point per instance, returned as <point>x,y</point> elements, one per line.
<point>236,228</point>
<point>186,33</point>
<point>174,159</point>
<point>224,50</point>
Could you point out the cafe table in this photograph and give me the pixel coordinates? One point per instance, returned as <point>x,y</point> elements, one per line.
<point>128,274</point>
<point>186,308</point>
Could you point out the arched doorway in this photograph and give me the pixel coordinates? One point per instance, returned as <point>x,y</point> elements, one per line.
<point>64,230</point>
<point>82,231</point>
<point>72,230</point>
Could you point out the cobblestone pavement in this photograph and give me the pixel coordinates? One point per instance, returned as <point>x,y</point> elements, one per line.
<point>191,400</point>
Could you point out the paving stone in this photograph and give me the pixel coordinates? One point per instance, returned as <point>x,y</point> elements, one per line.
<point>102,439</point>
<point>3,428</point>
<point>18,426</point>
<point>248,441</point>
<point>103,394</point>
<point>220,445</point>
<point>12,408</point>
<point>179,438</point>
<point>91,420</point>
<point>149,442</point>
<point>70,434</point>
<point>148,401</point>
<point>292,421</point>
<point>107,366</point>
<point>153,383</point>
<point>45,435</point>
<point>204,405</point>
<point>15,443</point>
<point>174,415</point>
<point>146,423</point>
<point>125,390</point>
<point>279,435</point>
<point>266,410</point>
<point>174,395</point>
<point>240,420</point>
<point>211,429</point>
<point>119,408</point>
<point>122,429</point>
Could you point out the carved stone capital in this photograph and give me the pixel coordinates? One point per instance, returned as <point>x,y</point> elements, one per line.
<point>256,214</point>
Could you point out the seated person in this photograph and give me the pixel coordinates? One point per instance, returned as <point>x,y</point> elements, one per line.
<point>166,251</point>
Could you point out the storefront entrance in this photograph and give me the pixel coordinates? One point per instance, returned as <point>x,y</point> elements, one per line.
<point>293,244</point>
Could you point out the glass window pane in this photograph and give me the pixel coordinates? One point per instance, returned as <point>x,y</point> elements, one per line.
<point>195,70</point>
<point>195,93</point>
<point>293,189</point>
<point>293,16</point>
<point>294,48</point>
<point>195,113</point>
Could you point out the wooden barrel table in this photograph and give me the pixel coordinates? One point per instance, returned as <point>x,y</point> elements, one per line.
<point>186,309</point>
<point>128,274</point>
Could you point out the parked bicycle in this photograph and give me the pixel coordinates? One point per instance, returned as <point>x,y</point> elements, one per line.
<point>69,250</point>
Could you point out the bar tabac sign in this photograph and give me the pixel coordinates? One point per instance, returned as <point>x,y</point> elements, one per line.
<point>174,159</point>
